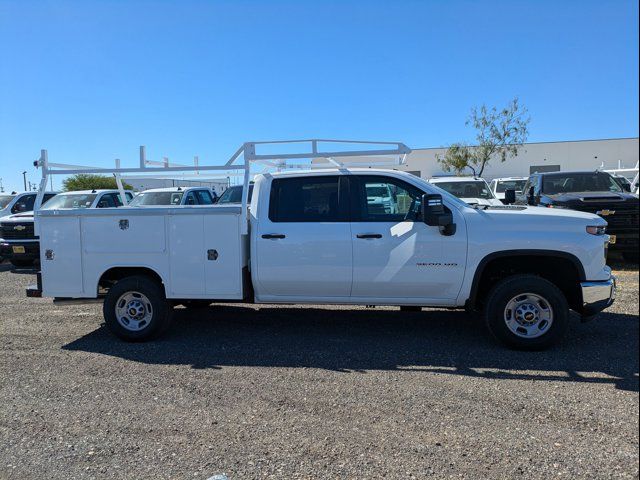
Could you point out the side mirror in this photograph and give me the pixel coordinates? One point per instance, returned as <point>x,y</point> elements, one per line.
<point>531,197</point>
<point>435,215</point>
<point>626,187</point>
<point>509,196</point>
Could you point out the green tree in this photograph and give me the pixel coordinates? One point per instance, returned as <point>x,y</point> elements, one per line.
<point>84,181</point>
<point>499,135</point>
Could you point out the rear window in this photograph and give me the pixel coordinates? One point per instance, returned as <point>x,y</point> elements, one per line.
<point>307,199</point>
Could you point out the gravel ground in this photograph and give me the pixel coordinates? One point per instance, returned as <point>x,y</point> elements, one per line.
<point>284,392</point>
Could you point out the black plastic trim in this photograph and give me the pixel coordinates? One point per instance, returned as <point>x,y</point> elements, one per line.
<point>520,253</point>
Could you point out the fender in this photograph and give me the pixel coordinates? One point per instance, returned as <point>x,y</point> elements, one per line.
<point>520,253</point>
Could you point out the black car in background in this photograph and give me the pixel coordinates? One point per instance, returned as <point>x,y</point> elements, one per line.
<point>594,192</point>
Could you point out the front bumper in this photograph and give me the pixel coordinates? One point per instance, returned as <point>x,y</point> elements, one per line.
<point>31,249</point>
<point>596,296</point>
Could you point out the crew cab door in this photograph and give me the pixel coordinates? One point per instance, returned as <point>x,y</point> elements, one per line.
<point>396,256</point>
<point>303,245</point>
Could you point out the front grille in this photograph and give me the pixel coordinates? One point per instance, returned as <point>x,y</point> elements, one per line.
<point>625,218</point>
<point>17,231</point>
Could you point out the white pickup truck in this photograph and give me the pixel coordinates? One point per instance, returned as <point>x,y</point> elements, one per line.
<point>318,237</point>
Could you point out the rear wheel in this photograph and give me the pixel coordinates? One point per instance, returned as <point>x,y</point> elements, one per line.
<point>527,312</point>
<point>136,309</point>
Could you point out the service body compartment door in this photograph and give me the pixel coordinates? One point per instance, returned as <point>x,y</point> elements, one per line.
<point>223,256</point>
<point>304,245</point>
<point>60,256</point>
<point>205,254</point>
<point>186,256</point>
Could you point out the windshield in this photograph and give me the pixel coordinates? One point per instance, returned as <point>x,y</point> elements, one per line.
<point>157,198</point>
<point>234,195</point>
<point>471,189</point>
<point>579,182</point>
<point>505,185</point>
<point>5,200</point>
<point>70,200</point>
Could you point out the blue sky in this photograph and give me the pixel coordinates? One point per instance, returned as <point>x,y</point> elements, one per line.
<point>90,81</point>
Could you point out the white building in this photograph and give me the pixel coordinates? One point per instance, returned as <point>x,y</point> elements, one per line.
<point>543,156</point>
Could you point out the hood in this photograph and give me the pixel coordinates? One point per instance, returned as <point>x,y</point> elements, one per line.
<point>591,196</point>
<point>18,217</point>
<point>552,214</point>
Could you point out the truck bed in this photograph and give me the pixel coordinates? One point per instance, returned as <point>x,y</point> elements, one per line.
<point>198,251</point>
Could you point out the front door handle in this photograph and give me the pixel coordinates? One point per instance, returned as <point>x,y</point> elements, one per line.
<point>369,235</point>
<point>273,235</point>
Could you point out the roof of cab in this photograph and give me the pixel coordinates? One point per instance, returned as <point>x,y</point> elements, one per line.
<point>455,179</point>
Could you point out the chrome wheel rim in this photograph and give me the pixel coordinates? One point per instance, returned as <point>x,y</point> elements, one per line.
<point>528,315</point>
<point>134,311</point>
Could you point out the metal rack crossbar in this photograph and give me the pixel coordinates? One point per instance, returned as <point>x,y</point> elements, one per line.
<point>249,154</point>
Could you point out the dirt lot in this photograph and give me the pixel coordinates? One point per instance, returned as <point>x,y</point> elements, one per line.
<point>283,392</point>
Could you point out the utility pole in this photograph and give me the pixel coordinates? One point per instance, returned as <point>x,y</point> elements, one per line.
<point>1,186</point>
<point>24,177</point>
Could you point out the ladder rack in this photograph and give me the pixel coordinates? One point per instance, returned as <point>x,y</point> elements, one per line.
<point>309,149</point>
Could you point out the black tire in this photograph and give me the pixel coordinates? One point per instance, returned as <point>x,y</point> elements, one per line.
<point>510,288</point>
<point>22,262</point>
<point>157,306</point>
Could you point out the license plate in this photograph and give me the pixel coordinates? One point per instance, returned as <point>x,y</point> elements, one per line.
<point>17,249</point>
<point>612,239</point>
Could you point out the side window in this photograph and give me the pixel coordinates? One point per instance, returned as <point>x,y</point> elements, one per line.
<point>115,198</point>
<point>204,197</point>
<point>106,202</point>
<point>308,199</point>
<point>129,196</point>
<point>25,204</point>
<point>384,199</point>
<point>191,199</point>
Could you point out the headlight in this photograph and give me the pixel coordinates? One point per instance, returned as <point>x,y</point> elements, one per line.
<point>596,230</point>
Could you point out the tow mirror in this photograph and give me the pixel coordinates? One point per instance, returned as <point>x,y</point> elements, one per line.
<point>434,214</point>
<point>509,196</point>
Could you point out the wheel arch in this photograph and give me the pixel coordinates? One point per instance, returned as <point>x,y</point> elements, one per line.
<point>548,264</point>
<point>115,273</point>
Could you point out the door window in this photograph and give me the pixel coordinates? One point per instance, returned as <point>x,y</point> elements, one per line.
<point>384,199</point>
<point>106,202</point>
<point>25,204</point>
<point>204,197</point>
<point>308,199</point>
<point>191,199</point>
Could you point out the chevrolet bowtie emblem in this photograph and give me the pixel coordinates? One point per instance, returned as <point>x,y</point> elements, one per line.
<point>605,213</point>
<point>19,227</point>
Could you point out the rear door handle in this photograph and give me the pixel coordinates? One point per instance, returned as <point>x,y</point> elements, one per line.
<point>273,235</point>
<point>369,235</point>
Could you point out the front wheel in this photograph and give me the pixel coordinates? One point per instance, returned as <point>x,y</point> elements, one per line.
<point>135,309</point>
<point>527,312</point>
